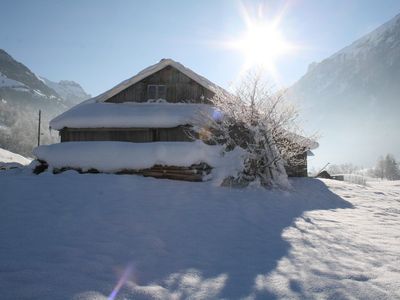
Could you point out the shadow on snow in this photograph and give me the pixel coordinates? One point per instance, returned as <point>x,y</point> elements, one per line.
<point>69,234</point>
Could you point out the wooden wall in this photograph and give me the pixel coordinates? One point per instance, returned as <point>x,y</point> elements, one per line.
<point>136,135</point>
<point>180,88</point>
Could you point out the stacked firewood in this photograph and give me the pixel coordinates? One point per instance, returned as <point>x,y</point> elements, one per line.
<point>195,172</point>
<point>192,173</point>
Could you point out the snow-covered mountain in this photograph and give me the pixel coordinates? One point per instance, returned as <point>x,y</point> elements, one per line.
<point>22,94</point>
<point>16,76</point>
<point>353,98</point>
<point>69,90</point>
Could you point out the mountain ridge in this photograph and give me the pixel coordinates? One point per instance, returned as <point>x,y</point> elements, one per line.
<point>22,95</point>
<point>17,71</point>
<point>69,90</point>
<point>352,97</point>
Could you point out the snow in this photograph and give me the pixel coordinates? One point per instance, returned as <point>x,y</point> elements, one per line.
<point>353,254</point>
<point>151,70</point>
<point>11,160</point>
<point>117,156</point>
<point>380,35</point>
<point>6,82</point>
<point>130,114</point>
<point>67,89</point>
<point>72,236</point>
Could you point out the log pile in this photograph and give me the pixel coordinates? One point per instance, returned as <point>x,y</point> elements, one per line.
<point>192,173</point>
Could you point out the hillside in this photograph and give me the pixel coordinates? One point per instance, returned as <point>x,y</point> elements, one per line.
<point>22,95</point>
<point>92,237</point>
<point>23,78</point>
<point>352,98</point>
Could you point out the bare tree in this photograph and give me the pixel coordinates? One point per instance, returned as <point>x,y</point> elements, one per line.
<point>260,120</point>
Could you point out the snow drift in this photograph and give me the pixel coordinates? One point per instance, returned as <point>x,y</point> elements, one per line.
<point>111,157</point>
<point>117,156</point>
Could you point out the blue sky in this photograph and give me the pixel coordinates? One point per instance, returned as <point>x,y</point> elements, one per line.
<point>100,43</point>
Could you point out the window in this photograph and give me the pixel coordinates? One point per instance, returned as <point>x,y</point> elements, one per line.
<point>155,91</point>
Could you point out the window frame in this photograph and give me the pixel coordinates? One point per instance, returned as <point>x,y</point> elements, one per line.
<point>157,91</point>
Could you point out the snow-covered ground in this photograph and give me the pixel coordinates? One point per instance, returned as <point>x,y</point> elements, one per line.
<point>11,160</point>
<point>72,236</point>
<point>344,254</point>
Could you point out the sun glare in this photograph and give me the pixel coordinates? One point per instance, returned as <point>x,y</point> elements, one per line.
<point>262,43</point>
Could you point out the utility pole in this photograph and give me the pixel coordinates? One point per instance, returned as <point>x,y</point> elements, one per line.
<point>40,120</point>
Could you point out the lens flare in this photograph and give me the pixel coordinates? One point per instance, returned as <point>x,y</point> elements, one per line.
<point>217,115</point>
<point>124,278</point>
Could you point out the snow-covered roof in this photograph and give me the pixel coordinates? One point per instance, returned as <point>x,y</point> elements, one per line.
<point>308,143</point>
<point>151,70</point>
<point>131,115</point>
<point>94,113</point>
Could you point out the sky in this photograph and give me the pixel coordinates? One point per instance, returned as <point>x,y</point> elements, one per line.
<point>100,43</point>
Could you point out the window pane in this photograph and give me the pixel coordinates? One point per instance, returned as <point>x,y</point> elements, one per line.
<point>161,94</point>
<point>151,91</point>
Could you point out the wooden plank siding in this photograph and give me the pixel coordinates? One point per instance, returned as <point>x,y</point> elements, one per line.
<point>180,88</point>
<point>135,135</point>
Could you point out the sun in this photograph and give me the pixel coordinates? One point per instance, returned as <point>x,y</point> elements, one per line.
<point>262,42</point>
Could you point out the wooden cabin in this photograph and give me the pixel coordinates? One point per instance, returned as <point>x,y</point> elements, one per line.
<point>117,116</point>
<point>167,80</point>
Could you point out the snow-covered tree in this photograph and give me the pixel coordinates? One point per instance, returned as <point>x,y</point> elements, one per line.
<point>387,167</point>
<point>379,170</point>
<point>346,168</point>
<point>260,120</point>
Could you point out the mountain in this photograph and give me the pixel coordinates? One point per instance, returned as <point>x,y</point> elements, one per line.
<point>22,77</point>
<point>68,90</point>
<point>353,98</point>
<point>22,95</point>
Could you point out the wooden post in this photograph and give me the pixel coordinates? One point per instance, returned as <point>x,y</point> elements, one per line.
<point>40,120</point>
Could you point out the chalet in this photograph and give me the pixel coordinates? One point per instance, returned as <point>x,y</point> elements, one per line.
<point>155,107</point>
